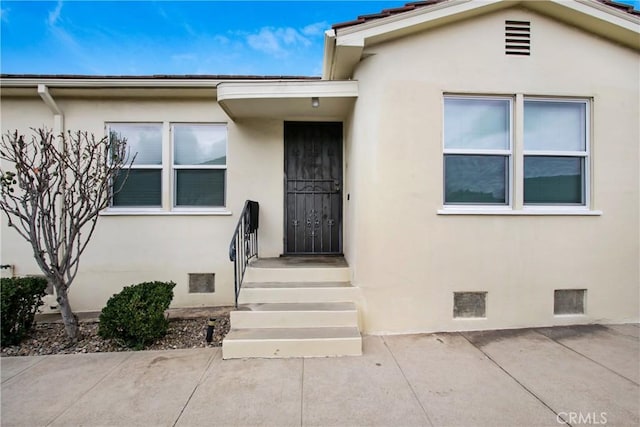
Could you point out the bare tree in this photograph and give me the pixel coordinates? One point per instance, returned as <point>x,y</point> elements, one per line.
<point>52,190</point>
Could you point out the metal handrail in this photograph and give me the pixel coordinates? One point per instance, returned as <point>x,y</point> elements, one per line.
<point>244,237</point>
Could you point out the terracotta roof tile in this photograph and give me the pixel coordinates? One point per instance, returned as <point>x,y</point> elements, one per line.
<point>419,4</point>
<point>625,7</point>
<point>386,12</point>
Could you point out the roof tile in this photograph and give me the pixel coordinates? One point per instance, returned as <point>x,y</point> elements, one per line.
<point>425,3</point>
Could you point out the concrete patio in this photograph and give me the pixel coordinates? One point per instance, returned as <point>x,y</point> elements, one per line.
<point>581,375</point>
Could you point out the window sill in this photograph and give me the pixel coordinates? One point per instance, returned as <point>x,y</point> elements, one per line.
<point>157,212</point>
<point>521,212</point>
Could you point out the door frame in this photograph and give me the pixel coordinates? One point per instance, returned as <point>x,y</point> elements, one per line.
<point>340,251</point>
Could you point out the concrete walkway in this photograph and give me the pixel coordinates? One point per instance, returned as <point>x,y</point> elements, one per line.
<point>537,377</point>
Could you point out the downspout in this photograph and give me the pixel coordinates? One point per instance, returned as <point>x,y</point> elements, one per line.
<point>328,60</point>
<point>58,129</point>
<point>58,115</point>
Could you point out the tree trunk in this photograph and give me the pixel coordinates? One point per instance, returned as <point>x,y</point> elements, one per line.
<point>68,317</point>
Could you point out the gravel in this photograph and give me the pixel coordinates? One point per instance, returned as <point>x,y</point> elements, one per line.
<point>49,338</point>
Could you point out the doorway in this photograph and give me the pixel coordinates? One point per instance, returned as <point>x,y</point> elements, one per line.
<point>313,188</point>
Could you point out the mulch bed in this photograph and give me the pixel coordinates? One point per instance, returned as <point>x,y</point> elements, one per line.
<point>49,338</point>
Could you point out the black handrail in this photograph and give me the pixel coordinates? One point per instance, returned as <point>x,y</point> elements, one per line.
<point>244,237</point>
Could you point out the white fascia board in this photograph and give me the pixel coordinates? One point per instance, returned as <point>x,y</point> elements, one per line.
<point>110,83</point>
<point>284,90</point>
<point>603,12</point>
<point>357,35</point>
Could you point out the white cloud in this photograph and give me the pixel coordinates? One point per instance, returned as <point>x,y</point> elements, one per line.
<point>222,40</point>
<point>54,15</point>
<point>277,41</point>
<point>4,14</point>
<point>316,29</point>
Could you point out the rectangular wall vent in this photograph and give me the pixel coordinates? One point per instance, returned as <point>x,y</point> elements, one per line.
<point>517,37</point>
<point>204,283</point>
<point>569,301</point>
<point>469,304</point>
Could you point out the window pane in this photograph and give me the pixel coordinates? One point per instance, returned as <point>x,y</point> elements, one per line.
<point>558,126</point>
<point>200,187</point>
<point>475,179</point>
<point>143,187</point>
<point>143,140</point>
<point>200,144</point>
<point>476,123</point>
<point>553,180</point>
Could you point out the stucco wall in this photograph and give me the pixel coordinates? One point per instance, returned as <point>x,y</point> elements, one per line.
<point>127,249</point>
<point>408,259</point>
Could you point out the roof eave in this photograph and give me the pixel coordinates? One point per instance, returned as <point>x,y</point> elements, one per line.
<point>287,100</point>
<point>129,82</point>
<point>604,20</point>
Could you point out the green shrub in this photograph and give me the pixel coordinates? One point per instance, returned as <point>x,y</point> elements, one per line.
<point>20,299</point>
<point>135,316</point>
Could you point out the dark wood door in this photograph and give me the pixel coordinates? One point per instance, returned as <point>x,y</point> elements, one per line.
<point>313,188</point>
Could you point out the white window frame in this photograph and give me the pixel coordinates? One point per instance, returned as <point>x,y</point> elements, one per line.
<point>175,168</point>
<point>516,204</point>
<point>160,167</point>
<point>585,155</point>
<point>168,174</point>
<point>509,180</point>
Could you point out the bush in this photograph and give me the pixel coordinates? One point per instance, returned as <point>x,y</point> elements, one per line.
<point>135,316</point>
<point>20,298</point>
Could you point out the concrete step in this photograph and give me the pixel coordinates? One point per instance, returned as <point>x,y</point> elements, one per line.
<point>297,274</point>
<point>299,315</point>
<point>298,292</point>
<point>292,342</point>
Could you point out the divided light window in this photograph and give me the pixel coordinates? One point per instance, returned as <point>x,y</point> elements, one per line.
<point>477,150</point>
<point>143,185</point>
<point>555,151</point>
<point>199,164</point>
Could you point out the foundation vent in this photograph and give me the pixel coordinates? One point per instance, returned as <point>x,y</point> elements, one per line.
<point>569,301</point>
<point>469,304</point>
<point>517,37</point>
<point>202,283</point>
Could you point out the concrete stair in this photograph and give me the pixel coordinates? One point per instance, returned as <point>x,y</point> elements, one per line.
<point>302,310</point>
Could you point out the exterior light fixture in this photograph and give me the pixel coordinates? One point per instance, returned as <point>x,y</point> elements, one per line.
<point>315,102</point>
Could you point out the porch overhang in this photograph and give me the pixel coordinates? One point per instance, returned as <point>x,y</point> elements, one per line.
<point>288,100</point>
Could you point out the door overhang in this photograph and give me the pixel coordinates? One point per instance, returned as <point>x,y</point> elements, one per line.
<point>288,100</point>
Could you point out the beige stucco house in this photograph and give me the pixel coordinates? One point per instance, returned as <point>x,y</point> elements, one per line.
<point>476,163</point>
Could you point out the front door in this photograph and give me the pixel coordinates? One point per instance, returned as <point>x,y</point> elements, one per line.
<point>313,188</point>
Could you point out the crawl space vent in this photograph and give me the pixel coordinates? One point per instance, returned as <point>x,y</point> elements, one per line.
<point>517,37</point>
<point>569,301</point>
<point>469,304</point>
<point>202,283</point>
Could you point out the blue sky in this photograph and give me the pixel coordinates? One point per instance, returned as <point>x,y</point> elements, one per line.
<point>171,37</point>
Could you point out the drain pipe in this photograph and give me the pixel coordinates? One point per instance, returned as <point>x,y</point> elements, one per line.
<point>58,115</point>
<point>58,130</point>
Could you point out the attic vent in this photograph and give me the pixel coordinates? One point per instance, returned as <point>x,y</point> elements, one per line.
<point>517,37</point>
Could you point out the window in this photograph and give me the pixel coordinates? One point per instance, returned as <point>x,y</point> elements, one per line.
<point>199,163</point>
<point>177,166</point>
<point>477,150</point>
<point>555,152</point>
<point>141,185</point>
<point>548,154</point>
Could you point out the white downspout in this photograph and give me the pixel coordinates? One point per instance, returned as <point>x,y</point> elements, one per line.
<point>58,115</point>
<point>50,302</point>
